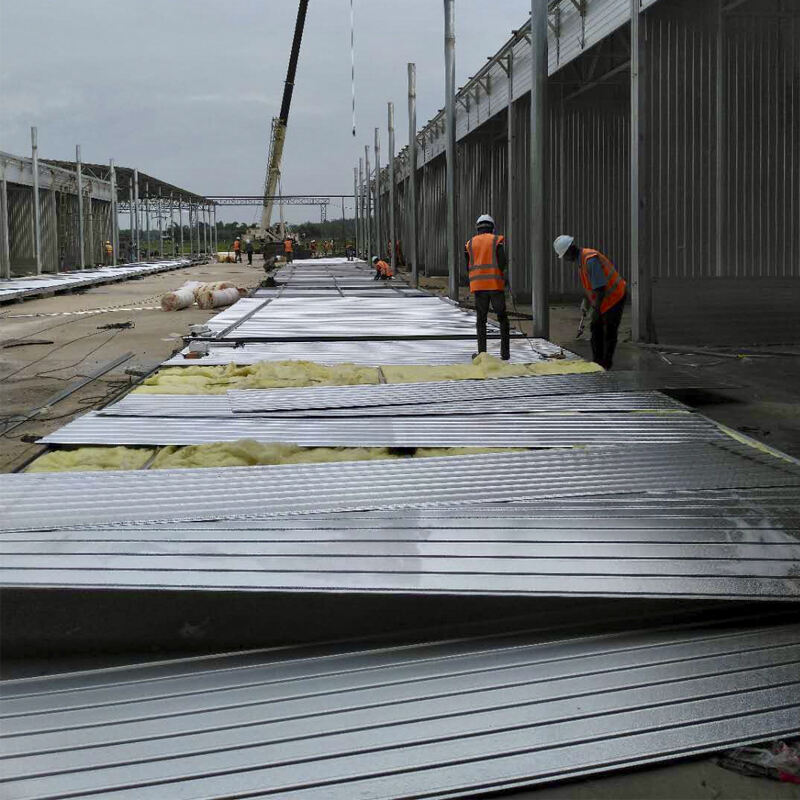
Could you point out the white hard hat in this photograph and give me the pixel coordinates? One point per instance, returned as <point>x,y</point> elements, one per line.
<point>562,244</point>
<point>374,259</point>
<point>485,219</point>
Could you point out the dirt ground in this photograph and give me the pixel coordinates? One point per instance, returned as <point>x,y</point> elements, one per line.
<point>71,344</point>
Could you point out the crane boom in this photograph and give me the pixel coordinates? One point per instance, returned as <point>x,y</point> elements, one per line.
<point>279,123</point>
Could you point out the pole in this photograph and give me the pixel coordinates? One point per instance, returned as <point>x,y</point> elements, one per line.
<point>356,201</point>
<point>180,221</point>
<point>411,244</point>
<point>721,129</point>
<point>368,211</point>
<point>81,242</point>
<point>172,223</point>
<point>92,252</point>
<point>540,250</point>
<point>160,226</point>
<point>5,252</point>
<point>450,144</point>
<point>216,232</point>
<point>641,301</point>
<point>37,211</point>
<point>509,243</point>
<point>147,215</point>
<point>362,227</point>
<point>136,214</point>
<point>114,214</point>
<point>131,249</point>
<point>390,157</point>
<point>378,243</point>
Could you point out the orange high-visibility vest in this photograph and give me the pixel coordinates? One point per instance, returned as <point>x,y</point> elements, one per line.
<point>485,274</point>
<point>287,246</point>
<point>384,269</point>
<point>615,285</point>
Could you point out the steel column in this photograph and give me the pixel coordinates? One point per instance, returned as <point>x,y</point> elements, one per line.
<point>390,161</point>
<point>5,252</point>
<point>132,206</point>
<point>450,145</point>
<point>180,220</point>
<point>90,215</point>
<point>509,243</point>
<point>114,214</point>
<point>160,227</point>
<point>411,244</point>
<point>363,250</point>
<point>378,243</point>
<point>81,242</point>
<point>216,234</point>
<point>720,140</point>
<point>147,216</point>
<point>540,248</point>
<point>641,301</point>
<point>355,207</point>
<point>367,196</point>
<point>37,211</point>
<point>172,223</point>
<point>136,214</point>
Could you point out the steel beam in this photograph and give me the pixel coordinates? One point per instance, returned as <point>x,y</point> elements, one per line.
<point>390,160</point>
<point>411,243</point>
<point>79,176</point>
<point>378,233</point>
<point>114,215</point>
<point>37,211</point>
<point>540,249</point>
<point>450,146</point>
<point>137,220</point>
<point>509,244</point>
<point>367,196</point>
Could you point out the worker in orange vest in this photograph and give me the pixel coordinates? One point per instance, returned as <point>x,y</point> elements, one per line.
<point>109,251</point>
<point>237,250</point>
<point>288,249</point>
<point>383,271</point>
<point>605,292</point>
<point>486,259</point>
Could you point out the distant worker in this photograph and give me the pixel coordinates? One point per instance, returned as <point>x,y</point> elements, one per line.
<point>383,271</point>
<point>485,255</point>
<point>248,248</point>
<point>350,251</point>
<point>237,250</point>
<point>312,246</point>
<point>288,249</point>
<point>605,292</point>
<point>109,251</point>
<point>329,247</point>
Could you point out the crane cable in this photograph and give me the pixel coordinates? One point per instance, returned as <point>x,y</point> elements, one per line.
<point>353,62</point>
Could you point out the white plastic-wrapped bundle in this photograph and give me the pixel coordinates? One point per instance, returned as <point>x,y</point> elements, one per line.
<point>213,298</point>
<point>180,298</point>
<point>201,288</point>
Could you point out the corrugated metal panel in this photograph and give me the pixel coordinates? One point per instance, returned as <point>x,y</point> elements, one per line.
<point>446,719</point>
<point>498,430</point>
<point>47,500</point>
<point>411,558</point>
<point>369,353</point>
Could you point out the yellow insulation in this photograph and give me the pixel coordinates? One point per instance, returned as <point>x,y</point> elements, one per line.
<point>91,459</point>
<point>287,374</point>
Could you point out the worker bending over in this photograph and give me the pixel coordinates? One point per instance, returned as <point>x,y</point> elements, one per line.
<point>383,271</point>
<point>288,249</point>
<point>486,259</point>
<point>605,292</point>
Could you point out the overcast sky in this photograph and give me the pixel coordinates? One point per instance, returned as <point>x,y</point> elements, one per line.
<point>185,89</point>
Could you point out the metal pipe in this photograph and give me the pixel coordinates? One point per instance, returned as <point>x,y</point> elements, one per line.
<point>641,321</point>
<point>378,243</point>
<point>136,213</point>
<point>81,242</point>
<point>450,144</point>
<point>411,244</point>
<point>509,243</point>
<point>540,249</point>
<point>114,214</point>
<point>37,211</point>
<point>5,252</point>
<point>368,212</point>
<point>180,220</point>
<point>390,161</point>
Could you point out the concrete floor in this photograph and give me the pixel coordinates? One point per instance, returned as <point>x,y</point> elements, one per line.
<point>766,407</point>
<point>30,374</point>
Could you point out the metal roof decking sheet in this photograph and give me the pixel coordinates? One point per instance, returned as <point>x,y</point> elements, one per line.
<point>456,718</point>
<point>446,430</point>
<point>59,500</point>
<point>437,392</point>
<point>63,281</point>
<point>407,555</point>
<point>367,353</point>
<point>176,405</point>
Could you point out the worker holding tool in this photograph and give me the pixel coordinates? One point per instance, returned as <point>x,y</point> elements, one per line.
<point>486,259</point>
<point>288,249</point>
<point>237,250</point>
<point>605,292</point>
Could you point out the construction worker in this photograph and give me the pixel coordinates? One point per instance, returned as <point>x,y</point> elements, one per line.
<point>383,271</point>
<point>605,292</point>
<point>109,251</point>
<point>486,259</point>
<point>288,249</point>
<point>313,248</point>
<point>248,248</point>
<point>237,250</point>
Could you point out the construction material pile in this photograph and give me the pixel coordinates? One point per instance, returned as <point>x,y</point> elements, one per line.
<point>206,295</point>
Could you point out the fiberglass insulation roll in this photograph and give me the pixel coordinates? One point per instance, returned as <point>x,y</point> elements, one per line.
<point>175,301</point>
<point>213,298</point>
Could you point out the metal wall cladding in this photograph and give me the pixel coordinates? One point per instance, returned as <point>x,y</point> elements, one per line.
<point>20,229</point>
<point>459,718</point>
